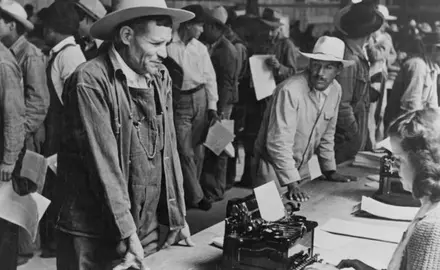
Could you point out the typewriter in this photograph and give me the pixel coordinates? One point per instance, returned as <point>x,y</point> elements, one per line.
<point>390,188</point>
<point>252,243</point>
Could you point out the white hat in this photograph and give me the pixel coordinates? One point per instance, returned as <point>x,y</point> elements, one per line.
<point>93,8</point>
<point>17,12</point>
<point>220,13</point>
<point>329,49</point>
<point>385,13</point>
<point>125,10</point>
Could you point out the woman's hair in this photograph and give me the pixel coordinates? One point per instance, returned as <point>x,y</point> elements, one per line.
<point>419,134</point>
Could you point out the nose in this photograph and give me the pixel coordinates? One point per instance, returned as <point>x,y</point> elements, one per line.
<point>321,71</point>
<point>201,29</point>
<point>162,52</point>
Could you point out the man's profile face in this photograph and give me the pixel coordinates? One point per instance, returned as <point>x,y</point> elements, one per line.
<point>274,33</point>
<point>147,48</point>
<point>195,30</point>
<point>322,73</point>
<point>5,28</point>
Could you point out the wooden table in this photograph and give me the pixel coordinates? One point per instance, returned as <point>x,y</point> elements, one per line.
<point>328,200</point>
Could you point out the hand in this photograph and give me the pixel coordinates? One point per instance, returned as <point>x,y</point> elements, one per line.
<point>273,62</point>
<point>183,234</point>
<point>6,172</point>
<point>134,256</point>
<point>294,193</point>
<point>333,176</point>
<point>213,117</point>
<point>320,266</point>
<point>356,264</point>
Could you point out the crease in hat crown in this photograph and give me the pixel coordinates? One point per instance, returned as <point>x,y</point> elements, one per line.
<point>126,10</point>
<point>329,49</point>
<point>17,12</point>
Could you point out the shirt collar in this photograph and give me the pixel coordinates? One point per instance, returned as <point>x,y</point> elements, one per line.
<point>62,43</point>
<point>18,45</point>
<point>177,39</point>
<point>129,73</point>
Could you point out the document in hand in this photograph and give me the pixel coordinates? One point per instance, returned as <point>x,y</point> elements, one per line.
<point>34,167</point>
<point>262,77</point>
<point>218,138</point>
<point>25,211</point>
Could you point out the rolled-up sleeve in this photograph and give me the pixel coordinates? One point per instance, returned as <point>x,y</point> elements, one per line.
<point>326,148</point>
<point>37,94</point>
<point>95,116</point>
<point>13,110</point>
<point>281,136</point>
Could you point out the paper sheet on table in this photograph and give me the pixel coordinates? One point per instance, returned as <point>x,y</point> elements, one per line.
<point>314,168</point>
<point>269,201</point>
<point>374,177</point>
<point>330,241</point>
<point>262,76</point>
<point>52,162</point>
<point>388,211</point>
<point>384,144</point>
<point>25,211</point>
<point>364,230</point>
<point>218,138</point>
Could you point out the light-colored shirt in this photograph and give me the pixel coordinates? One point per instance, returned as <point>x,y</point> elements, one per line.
<point>65,63</point>
<point>320,97</point>
<point>134,79</point>
<point>197,67</point>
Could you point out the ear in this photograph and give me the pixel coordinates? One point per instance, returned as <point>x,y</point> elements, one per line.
<point>12,25</point>
<point>126,34</point>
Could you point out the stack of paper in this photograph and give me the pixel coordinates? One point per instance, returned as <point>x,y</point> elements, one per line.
<point>368,159</point>
<point>387,211</point>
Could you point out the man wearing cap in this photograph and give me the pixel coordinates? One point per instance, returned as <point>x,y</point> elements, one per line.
<point>60,23</point>
<point>300,121</point>
<point>196,100</point>
<point>13,26</point>
<point>118,158</point>
<point>12,136</point>
<point>283,51</point>
<point>224,57</point>
<point>356,23</point>
<point>89,11</point>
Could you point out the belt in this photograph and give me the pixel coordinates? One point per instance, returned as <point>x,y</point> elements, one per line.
<point>193,90</point>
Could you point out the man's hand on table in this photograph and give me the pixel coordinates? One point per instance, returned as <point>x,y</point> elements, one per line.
<point>183,234</point>
<point>334,176</point>
<point>295,193</point>
<point>134,256</point>
<point>356,264</point>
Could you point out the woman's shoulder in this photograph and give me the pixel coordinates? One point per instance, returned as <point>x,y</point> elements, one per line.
<point>428,228</point>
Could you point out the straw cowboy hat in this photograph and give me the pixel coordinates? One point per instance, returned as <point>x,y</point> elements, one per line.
<point>125,10</point>
<point>359,19</point>
<point>93,8</point>
<point>329,49</point>
<point>17,12</point>
<point>386,13</point>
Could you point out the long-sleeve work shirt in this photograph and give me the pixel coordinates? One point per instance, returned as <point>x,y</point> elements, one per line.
<point>12,116</point>
<point>197,67</point>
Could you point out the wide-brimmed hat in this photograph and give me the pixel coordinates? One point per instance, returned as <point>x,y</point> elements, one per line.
<point>93,8</point>
<point>125,10</point>
<point>199,13</point>
<point>358,19</point>
<point>386,13</point>
<point>61,16</point>
<point>329,49</point>
<point>17,12</point>
<point>270,19</point>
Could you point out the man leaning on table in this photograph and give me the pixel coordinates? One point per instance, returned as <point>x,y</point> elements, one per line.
<point>300,121</point>
<point>118,159</point>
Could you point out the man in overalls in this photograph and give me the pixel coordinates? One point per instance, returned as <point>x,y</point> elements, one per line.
<point>118,161</point>
<point>60,23</point>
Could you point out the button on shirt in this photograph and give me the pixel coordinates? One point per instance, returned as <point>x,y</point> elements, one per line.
<point>197,67</point>
<point>65,63</point>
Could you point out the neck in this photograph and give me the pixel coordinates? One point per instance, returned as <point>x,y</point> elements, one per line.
<point>8,41</point>
<point>59,37</point>
<point>359,41</point>
<point>124,53</point>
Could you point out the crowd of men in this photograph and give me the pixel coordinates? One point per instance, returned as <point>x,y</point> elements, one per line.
<point>125,99</point>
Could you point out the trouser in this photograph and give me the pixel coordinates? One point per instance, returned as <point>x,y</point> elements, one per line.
<point>8,245</point>
<point>215,168</point>
<point>48,221</point>
<point>190,120</point>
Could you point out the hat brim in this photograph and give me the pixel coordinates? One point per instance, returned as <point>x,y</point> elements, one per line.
<point>326,57</point>
<point>342,12</point>
<point>390,18</point>
<point>103,28</point>
<point>27,24</point>
<point>271,24</point>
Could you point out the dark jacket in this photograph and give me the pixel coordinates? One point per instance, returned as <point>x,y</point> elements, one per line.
<point>351,129</point>
<point>286,53</point>
<point>95,156</point>
<point>225,60</point>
